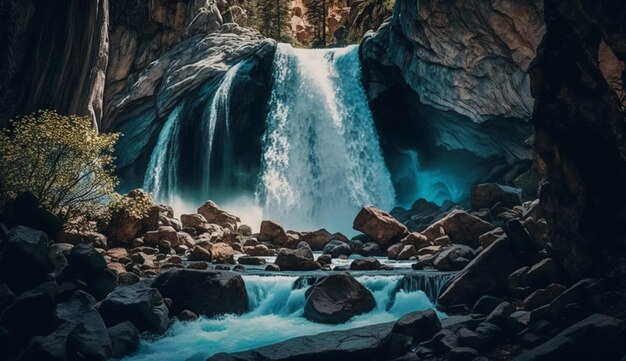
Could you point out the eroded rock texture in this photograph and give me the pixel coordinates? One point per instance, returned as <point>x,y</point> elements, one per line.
<point>57,59</point>
<point>579,129</point>
<point>467,56</point>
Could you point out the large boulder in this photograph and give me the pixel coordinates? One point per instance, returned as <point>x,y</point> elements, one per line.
<point>356,344</point>
<point>317,239</point>
<point>460,226</point>
<point>299,259</point>
<point>594,338</point>
<point>81,334</point>
<point>484,275</point>
<point>24,259</point>
<point>222,253</point>
<point>163,233</point>
<point>138,303</point>
<point>195,221</point>
<point>336,298</point>
<point>214,214</point>
<point>487,195</point>
<point>124,339</point>
<point>378,225</point>
<point>86,266</point>
<point>420,325</point>
<point>209,293</point>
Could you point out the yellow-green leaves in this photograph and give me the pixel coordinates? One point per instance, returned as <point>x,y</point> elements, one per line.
<point>61,159</point>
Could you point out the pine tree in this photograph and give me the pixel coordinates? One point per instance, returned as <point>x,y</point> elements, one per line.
<point>317,18</point>
<point>273,19</point>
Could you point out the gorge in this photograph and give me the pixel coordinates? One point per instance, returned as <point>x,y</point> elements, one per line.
<point>421,180</point>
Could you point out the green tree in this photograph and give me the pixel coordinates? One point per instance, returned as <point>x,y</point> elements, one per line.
<point>317,18</point>
<point>272,18</point>
<point>60,159</point>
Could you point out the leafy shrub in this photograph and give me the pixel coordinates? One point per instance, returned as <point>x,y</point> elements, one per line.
<point>61,159</point>
<point>136,204</point>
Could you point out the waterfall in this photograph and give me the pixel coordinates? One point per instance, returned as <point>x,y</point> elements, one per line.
<point>162,172</point>
<point>321,160</point>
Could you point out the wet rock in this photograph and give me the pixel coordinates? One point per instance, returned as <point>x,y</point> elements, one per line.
<point>199,254</point>
<point>485,274</point>
<point>138,303</point>
<point>337,248</point>
<point>336,298</point>
<point>260,250</point>
<point>499,315</point>
<point>347,345</point>
<point>221,292</point>
<point>24,259</point>
<point>590,339</point>
<point>406,253</point>
<point>186,315</point>
<point>272,268</point>
<point>394,250</point>
<point>420,325</point>
<point>325,259</point>
<point>214,214</point>
<point>249,260</point>
<point>461,227</point>
<point>380,226</point>
<point>364,264</point>
<point>487,195</point>
<point>124,339</point>
<point>299,259</point>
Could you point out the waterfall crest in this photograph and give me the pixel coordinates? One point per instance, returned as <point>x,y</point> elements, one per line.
<point>322,160</point>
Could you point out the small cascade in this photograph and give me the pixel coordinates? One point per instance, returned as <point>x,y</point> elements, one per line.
<point>430,283</point>
<point>321,160</point>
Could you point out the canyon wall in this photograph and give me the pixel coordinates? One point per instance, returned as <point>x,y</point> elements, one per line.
<point>580,122</point>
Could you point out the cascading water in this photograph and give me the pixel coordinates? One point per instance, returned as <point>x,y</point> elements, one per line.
<point>276,314</point>
<point>321,160</point>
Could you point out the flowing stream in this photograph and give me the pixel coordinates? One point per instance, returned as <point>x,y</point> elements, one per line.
<point>276,314</point>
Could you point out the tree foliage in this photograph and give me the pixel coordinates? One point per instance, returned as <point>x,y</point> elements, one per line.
<point>60,159</point>
<point>270,17</point>
<point>317,17</point>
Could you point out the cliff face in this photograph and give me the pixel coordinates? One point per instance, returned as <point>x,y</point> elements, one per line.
<point>578,82</point>
<point>59,55</point>
<point>470,57</point>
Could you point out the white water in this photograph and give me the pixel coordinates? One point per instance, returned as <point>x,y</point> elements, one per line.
<point>322,160</point>
<point>276,314</point>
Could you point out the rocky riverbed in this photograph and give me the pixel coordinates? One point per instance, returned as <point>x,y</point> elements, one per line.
<point>68,294</point>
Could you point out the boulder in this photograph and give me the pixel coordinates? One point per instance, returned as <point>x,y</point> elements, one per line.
<point>163,233</point>
<point>209,293</point>
<point>487,195</point>
<point>420,325</point>
<point>138,303</point>
<point>117,253</point>
<point>260,250</point>
<point>364,264</point>
<point>499,315</point>
<point>299,259</point>
<point>195,221</point>
<point>380,226</point>
<point>199,254</point>
<point>485,274</point>
<point>356,344</point>
<point>32,313</point>
<point>251,261</point>
<point>93,239</point>
<point>81,334</point>
<point>336,298</point>
<point>214,214</point>
<point>593,338</point>
<point>406,252</point>
<point>486,304</point>
<point>124,339</point>
<point>317,239</point>
<point>244,230</point>
<point>542,297</point>
<point>222,253</point>
<point>24,260</point>
<point>543,273</point>
<point>394,250</point>
<point>337,248</point>
<point>271,231</point>
<point>416,239</point>
<point>462,354</point>
<point>453,258</point>
<point>371,249</point>
<point>486,239</point>
<point>460,226</point>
